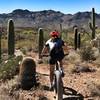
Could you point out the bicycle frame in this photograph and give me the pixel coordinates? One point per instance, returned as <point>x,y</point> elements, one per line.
<point>58,83</point>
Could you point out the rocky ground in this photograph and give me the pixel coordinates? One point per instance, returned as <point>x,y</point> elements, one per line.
<point>78,85</point>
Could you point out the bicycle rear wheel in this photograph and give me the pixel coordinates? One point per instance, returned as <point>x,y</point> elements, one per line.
<point>58,87</point>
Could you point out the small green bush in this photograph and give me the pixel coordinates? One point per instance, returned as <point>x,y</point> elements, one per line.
<point>87,53</point>
<point>10,67</point>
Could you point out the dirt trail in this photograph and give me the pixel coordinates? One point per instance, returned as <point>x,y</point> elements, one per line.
<point>76,86</point>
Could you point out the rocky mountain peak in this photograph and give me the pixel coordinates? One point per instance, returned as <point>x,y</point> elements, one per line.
<point>21,12</point>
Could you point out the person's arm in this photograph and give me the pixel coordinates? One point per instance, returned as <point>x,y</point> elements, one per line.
<point>65,48</point>
<point>45,50</point>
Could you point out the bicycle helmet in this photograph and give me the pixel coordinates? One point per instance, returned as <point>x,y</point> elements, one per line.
<point>54,33</point>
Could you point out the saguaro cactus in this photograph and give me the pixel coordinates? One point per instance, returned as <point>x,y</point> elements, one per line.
<point>92,23</point>
<point>40,41</point>
<point>75,37</point>
<point>11,37</point>
<point>0,44</point>
<point>79,40</point>
<point>60,30</point>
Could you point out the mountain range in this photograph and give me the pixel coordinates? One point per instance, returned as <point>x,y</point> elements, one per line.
<point>48,19</point>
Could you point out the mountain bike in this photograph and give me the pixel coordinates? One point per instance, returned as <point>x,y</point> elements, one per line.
<point>58,82</point>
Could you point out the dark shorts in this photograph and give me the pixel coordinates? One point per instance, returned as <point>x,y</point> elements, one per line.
<point>56,57</point>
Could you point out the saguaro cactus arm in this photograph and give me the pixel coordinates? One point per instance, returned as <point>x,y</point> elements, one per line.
<point>90,25</point>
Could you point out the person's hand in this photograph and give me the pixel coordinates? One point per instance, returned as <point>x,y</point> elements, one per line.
<point>41,55</point>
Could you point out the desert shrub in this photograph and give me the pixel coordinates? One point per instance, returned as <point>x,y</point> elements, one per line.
<point>97,62</point>
<point>4,46</point>
<point>94,87</point>
<point>23,50</point>
<point>9,68</point>
<point>25,44</point>
<point>82,68</point>
<point>87,53</point>
<point>73,57</point>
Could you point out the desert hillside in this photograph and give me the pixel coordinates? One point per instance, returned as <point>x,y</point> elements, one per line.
<point>48,19</point>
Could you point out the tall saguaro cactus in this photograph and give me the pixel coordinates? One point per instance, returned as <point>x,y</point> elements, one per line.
<point>40,41</point>
<point>0,44</point>
<point>92,23</point>
<point>11,37</point>
<point>60,30</point>
<point>75,38</point>
<point>79,40</point>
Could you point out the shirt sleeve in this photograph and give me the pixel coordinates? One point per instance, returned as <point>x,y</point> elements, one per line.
<point>47,44</point>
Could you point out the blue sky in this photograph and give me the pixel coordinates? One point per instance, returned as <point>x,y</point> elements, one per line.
<point>65,6</point>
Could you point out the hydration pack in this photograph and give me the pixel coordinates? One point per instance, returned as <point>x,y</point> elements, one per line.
<point>58,43</point>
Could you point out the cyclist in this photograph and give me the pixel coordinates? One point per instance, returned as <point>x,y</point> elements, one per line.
<point>54,46</point>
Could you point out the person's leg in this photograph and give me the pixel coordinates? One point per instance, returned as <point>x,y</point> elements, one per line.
<point>61,66</point>
<point>52,66</point>
<point>60,57</point>
<point>51,73</point>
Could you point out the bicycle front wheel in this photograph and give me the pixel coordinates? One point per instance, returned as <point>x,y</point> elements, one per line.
<point>58,88</point>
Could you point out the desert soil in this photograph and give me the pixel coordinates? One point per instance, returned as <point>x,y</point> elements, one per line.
<point>77,86</point>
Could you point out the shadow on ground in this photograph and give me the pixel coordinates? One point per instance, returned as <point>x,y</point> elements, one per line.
<point>68,94</point>
<point>71,94</point>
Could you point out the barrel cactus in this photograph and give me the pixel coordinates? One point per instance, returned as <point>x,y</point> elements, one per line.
<point>11,37</point>
<point>40,41</point>
<point>27,73</point>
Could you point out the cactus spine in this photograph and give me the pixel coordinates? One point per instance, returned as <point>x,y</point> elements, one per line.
<point>11,37</point>
<point>92,24</point>
<point>40,41</point>
<point>75,37</point>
